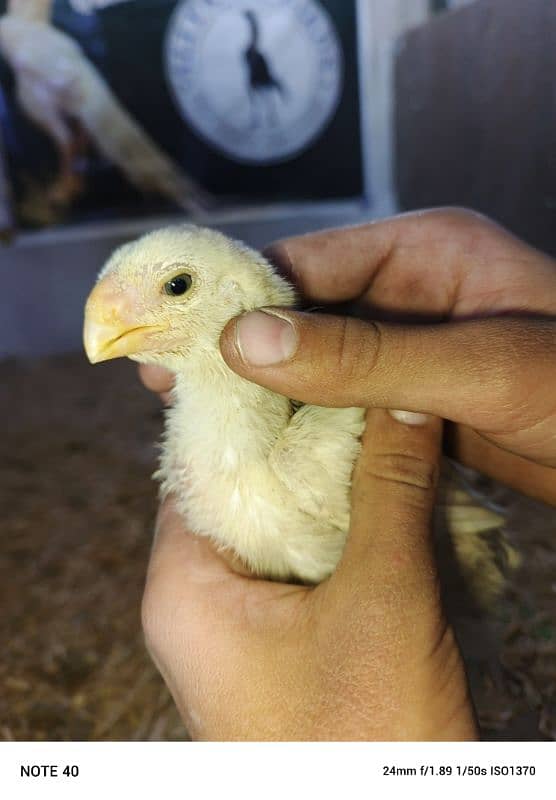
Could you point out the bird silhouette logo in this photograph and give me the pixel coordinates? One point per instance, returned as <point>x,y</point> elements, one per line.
<point>263,85</point>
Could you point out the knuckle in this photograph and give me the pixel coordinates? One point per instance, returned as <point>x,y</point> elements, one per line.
<point>515,369</point>
<point>357,349</point>
<point>461,215</point>
<point>508,390</point>
<point>466,214</point>
<point>406,470</point>
<point>279,255</point>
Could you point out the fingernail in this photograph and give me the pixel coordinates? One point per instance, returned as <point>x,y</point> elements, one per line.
<point>410,417</point>
<point>264,339</point>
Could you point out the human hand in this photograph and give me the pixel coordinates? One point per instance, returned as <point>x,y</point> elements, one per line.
<point>366,655</point>
<point>477,347</point>
<point>487,364</point>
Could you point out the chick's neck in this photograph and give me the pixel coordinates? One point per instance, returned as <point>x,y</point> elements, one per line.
<point>218,411</point>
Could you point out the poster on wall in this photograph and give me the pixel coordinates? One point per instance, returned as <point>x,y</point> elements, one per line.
<point>123,108</point>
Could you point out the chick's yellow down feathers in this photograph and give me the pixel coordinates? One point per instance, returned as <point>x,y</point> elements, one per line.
<point>261,477</point>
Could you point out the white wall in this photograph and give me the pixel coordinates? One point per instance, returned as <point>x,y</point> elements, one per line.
<point>381,23</point>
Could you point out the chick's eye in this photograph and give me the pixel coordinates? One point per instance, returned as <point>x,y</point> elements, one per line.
<point>178,285</point>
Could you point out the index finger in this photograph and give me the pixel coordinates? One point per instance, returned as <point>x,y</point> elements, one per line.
<point>436,262</point>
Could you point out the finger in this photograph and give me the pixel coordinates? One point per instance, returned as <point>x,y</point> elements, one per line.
<point>318,263</point>
<point>394,484</point>
<point>155,378</point>
<point>386,587</point>
<point>396,263</point>
<point>475,451</point>
<point>483,373</point>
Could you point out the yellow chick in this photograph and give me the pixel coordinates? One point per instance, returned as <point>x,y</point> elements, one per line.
<point>250,469</point>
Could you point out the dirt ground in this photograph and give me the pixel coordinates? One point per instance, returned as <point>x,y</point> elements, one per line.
<point>77,509</point>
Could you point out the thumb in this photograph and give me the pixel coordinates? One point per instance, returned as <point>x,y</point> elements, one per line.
<point>384,597</point>
<point>481,373</point>
<point>393,493</point>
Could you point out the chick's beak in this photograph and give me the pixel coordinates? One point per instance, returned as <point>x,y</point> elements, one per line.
<point>112,328</point>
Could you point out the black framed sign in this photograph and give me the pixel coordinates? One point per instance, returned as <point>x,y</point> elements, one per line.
<point>114,108</point>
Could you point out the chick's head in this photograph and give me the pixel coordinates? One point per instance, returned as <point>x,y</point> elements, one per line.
<point>168,295</point>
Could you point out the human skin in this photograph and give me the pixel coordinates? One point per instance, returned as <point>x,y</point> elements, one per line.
<point>490,372</point>
<point>368,653</point>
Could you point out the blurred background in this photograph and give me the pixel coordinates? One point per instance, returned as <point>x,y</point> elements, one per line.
<point>263,118</point>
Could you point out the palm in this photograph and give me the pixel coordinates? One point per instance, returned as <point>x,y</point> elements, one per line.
<point>211,589</point>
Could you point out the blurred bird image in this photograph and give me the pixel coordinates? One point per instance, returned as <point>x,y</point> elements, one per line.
<point>262,476</point>
<point>65,96</point>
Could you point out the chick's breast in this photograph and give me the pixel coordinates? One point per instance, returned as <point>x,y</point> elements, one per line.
<point>270,486</point>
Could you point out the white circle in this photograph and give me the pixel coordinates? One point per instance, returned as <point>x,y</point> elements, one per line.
<point>255,122</point>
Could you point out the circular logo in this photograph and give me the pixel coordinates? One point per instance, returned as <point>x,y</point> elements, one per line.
<point>259,80</point>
